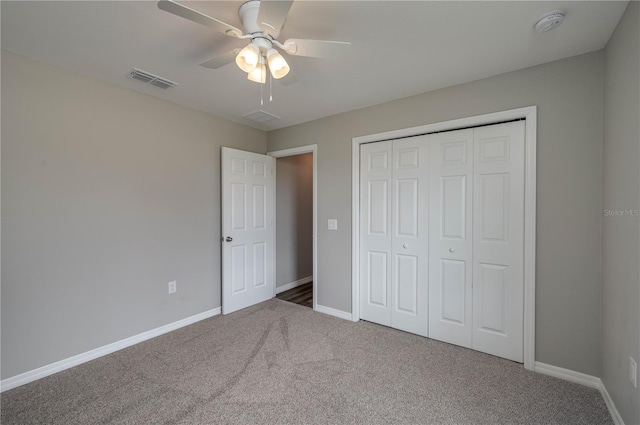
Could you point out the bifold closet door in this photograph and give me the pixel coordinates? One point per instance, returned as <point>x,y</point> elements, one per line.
<point>450,237</point>
<point>394,234</point>
<point>476,242</point>
<point>442,236</point>
<point>498,240</point>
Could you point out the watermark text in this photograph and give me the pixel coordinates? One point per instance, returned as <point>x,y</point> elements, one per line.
<point>621,213</point>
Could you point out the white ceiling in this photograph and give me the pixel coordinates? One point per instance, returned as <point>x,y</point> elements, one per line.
<point>398,48</point>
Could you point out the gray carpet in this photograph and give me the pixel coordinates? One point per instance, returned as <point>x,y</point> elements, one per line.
<point>282,363</point>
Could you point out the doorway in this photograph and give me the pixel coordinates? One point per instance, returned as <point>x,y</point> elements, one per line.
<point>296,276</point>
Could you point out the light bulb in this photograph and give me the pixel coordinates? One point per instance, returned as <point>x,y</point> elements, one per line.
<point>259,73</point>
<point>277,65</point>
<point>247,59</point>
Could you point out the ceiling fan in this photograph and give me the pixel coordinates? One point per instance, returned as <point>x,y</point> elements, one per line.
<point>262,21</point>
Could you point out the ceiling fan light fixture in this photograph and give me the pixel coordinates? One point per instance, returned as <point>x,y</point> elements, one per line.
<point>248,58</point>
<point>277,65</point>
<point>262,21</point>
<point>259,73</point>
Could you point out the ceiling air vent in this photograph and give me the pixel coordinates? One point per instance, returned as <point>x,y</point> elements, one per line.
<point>260,116</point>
<point>149,78</point>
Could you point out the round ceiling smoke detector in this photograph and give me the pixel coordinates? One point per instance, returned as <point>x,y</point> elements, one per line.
<point>549,21</point>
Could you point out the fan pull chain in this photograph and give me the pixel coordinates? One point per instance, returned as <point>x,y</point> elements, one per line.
<point>261,98</point>
<point>270,88</point>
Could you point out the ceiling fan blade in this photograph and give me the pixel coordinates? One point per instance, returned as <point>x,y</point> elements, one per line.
<point>272,15</point>
<point>221,60</point>
<point>200,18</point>
<point>316,48</point>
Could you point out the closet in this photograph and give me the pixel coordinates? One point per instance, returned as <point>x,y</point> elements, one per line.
<point>442,236</point>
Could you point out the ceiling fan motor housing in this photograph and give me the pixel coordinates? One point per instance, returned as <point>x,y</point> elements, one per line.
<point>263,42</point>
<point>248,13</point>
<point>249,16</point>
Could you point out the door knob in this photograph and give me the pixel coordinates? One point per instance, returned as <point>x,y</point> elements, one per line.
<point>228,239</point>
<point>405,246</point>
<point>451,250</point>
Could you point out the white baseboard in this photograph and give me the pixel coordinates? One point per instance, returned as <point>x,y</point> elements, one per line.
<point>294,284</point>
<point>583,379</point>
<point>568,375</point>
<point>617,418</point>
<point>41,372</point>
<point>333,312</point>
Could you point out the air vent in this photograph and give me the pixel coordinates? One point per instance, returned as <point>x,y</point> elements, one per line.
<point>149,78</point>
<point>260,116</point>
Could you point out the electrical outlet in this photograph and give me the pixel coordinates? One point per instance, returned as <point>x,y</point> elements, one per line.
<point>332,224</point>
<point>633,372</point>
<point>173,286</point>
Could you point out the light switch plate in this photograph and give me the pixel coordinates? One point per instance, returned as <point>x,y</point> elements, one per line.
<point>332,224</point>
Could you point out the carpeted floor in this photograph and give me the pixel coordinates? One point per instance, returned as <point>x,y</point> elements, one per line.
<point>279,362</point>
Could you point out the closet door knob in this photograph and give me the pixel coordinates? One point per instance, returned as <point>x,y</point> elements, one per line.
<point>405,246</point>
<point>228,239</point>
<point>451,250</point>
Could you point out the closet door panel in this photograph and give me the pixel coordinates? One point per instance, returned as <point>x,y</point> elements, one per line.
<point>452,287</point>
<point>498,240</point>
<point>450,240</point>
<point>375,232</point>
<point>410,235</point>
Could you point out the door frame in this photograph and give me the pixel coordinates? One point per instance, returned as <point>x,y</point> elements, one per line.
<point>529,114</point>
<point>312,149</point>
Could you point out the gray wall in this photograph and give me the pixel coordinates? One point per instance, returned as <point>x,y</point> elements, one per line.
<point>568,94</point>
<point>621,234</point>
<point>107,194</point>
<point>294,218</point>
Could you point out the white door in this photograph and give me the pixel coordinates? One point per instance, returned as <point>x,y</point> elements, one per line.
<point>498,240</point>
<point>450,240</point>
<point>247,229</point>
<point>394,228</point>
